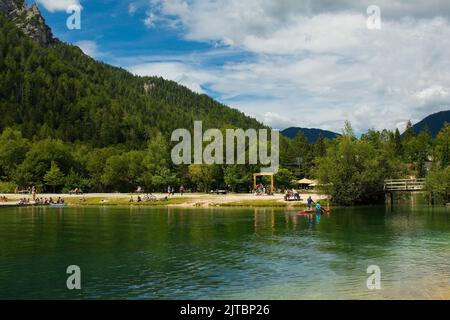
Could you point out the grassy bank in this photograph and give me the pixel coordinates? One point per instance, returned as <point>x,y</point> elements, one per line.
<point>188,202</point>
<point>259,203</point>
<point>191,200</point>
<point>125,202</point>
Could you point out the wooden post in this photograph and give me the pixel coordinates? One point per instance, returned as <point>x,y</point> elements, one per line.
<point>272,184</point>
<point>390,198</point>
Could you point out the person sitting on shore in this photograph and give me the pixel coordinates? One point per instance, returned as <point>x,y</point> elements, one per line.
<point>289,195</point>
<point>259,189</point>
<point>24,201</point>
<point>295,194</point>
<point>181,190</point>
<point>139,199</point>
<point>131,199</point>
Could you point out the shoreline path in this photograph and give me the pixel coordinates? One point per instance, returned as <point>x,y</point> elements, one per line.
<point>192,199</point>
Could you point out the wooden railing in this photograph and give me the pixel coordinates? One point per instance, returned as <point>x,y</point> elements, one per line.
<point>404,184</point>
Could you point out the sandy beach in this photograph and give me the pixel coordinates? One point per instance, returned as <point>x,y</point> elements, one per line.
<point>187,200</point>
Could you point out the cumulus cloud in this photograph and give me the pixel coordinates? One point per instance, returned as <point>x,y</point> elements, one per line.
<point>132,8</point>
<point>58,5</point>
<point>183,74</point>
<point>90,48</point>
<point>315,63</point>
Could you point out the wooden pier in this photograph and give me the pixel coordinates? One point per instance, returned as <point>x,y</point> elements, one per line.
<point>403,185</point>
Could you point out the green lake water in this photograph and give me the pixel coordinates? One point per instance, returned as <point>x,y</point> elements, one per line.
<point>165,253</point>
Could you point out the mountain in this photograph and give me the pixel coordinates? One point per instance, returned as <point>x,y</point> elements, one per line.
<point>50,89</point>
<point>433,123</point>
<point>28,19</point>
<point>311,134</point>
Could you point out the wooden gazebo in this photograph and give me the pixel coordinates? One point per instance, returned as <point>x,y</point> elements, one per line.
<point>255,175</point>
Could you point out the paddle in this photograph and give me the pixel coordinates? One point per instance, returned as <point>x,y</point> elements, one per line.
<point>322,210</point>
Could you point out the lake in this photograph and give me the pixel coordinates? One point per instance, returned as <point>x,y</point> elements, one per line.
<point>168,253</point>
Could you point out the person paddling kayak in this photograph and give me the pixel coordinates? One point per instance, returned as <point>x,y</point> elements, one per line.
<point>319,208</point>
<point>310,202</point>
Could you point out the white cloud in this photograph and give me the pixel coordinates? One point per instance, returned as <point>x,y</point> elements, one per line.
<point>90,48</point>
<point>149,21</point>
<point>434,92</point>
<point>58,5</point>
<point>132,8</point>
<point>314,63</point>
<point>277,121</point>
<point>179,72</point>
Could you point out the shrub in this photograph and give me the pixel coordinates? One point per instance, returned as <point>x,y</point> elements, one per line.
<point>7,187</point>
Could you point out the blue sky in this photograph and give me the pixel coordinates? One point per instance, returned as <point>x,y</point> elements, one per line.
<point>286,62</point>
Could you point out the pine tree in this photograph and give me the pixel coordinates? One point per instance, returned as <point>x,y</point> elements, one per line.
<point>445,162</point>
<point>320,148</point>
<point>398,146</point>
<point>409,131</point>
<point>54,177</point>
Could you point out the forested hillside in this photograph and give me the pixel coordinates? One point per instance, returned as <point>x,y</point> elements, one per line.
<point>69,121</point>
<point>59,92</point>
<point>311,134</point>
<point>432,123</point>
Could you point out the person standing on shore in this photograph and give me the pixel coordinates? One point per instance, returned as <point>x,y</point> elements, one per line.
<point>33,192</point>
<point>181,190</point>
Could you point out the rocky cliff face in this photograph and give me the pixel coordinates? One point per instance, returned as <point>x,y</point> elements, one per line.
<point>7,7</point>
<point>28,19</point>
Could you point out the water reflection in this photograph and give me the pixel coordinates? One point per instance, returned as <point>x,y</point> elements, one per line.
<point>224,253</point>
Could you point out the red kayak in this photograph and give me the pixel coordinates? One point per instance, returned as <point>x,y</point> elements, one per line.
<point>305,212</point>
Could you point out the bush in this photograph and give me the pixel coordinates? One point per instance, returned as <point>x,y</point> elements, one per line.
<point>7,187</point>
<point>438,185</point>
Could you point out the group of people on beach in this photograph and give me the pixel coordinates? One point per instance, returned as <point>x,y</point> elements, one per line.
<point>41,201</point>
<point>3,199</point>
<point>171,190</point>
<point>260,189</point>
<point>24,201</point>
<point>76,191</point>
<point>291,195</point>
<point>32,191</point>
<point>138,199</point>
